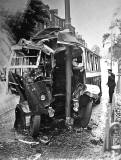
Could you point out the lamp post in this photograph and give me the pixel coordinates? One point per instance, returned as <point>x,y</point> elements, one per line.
<point>111,48</point>
<point>69,120</point>
<point>67,14</point>
<point>112,35</point>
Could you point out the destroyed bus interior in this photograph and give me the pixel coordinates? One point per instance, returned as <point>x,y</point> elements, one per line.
<point>48,72</point>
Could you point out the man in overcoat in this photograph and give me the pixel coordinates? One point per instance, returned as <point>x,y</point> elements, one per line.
<point>111,84</point>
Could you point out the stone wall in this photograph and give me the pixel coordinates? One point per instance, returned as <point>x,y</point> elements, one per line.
<point>5,47</point>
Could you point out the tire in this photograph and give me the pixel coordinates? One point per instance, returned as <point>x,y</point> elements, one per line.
<point>35,125</point>
<point>98,101</point>
<point>20,120</point>
<point>85,114</point>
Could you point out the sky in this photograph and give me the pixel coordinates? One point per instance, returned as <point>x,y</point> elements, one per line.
<point>91,18</point>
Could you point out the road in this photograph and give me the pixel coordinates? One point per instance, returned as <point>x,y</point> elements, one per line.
<point>84,144</point>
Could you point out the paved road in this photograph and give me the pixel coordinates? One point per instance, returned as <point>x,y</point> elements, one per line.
<point>7,113</point>
<point>85,145</point>
<point>64,145</point>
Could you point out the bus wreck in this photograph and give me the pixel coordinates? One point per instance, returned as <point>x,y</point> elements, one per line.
<point>48,72</point>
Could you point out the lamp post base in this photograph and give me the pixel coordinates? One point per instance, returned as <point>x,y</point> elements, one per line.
<point>69,122</point>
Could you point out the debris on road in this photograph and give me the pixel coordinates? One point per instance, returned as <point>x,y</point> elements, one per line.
<point>35,157</point>
<point>44,140</point>
<point>27,142</point>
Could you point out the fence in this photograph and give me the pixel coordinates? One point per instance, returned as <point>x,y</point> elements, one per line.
<point>113,122</point>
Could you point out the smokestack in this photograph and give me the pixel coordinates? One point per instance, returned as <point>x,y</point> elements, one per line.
<point>67,14</point>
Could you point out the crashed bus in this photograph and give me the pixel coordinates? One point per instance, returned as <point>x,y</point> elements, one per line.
<point>93,70</point>
<point>49,74</point>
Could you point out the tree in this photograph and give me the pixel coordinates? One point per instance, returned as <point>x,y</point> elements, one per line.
<point>23,25</point>
<point>116,47</point>
<point>96,49</point>
<point>116,39</point>
<point>105,37</point>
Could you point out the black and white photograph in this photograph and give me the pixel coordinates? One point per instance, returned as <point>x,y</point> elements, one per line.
<point>60,79</point>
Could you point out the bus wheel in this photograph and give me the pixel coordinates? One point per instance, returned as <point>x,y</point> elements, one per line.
<point>85,114</point>
<point>35,125</point>
<point>97,101</point>
<point>20,120</point>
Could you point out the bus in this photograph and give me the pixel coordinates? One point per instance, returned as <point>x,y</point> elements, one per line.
<point>93,68</point>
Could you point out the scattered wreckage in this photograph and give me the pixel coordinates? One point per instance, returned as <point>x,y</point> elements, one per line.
<point>49,75</point>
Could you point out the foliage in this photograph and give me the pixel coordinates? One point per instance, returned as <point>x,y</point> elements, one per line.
<point>105,37</point>
<point>96,49</point>
<point>116,48</point>
<point>116,39</point>
<point>14,23</point>
<point>23,24</point>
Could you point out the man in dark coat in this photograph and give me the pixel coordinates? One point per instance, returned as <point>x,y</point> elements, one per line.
<point>111,84</point>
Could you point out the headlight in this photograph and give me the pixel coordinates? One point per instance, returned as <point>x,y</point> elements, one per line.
<point>76,106</point>
<point>51,112</point>
<point>42,97</point>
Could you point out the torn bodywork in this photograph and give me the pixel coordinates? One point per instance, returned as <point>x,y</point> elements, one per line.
<point>38,72</point>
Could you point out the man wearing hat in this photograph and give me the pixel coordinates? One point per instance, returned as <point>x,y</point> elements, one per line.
<point>111,84</point>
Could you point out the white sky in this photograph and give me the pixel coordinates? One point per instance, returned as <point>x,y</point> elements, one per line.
<point>91,18</point>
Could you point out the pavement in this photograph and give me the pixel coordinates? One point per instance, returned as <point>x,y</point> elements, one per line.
<point>7,113</point>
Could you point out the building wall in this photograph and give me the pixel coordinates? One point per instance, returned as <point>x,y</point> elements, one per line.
<point>56,21</point>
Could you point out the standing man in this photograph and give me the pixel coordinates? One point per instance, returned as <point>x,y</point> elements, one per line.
<point>111,84</point>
